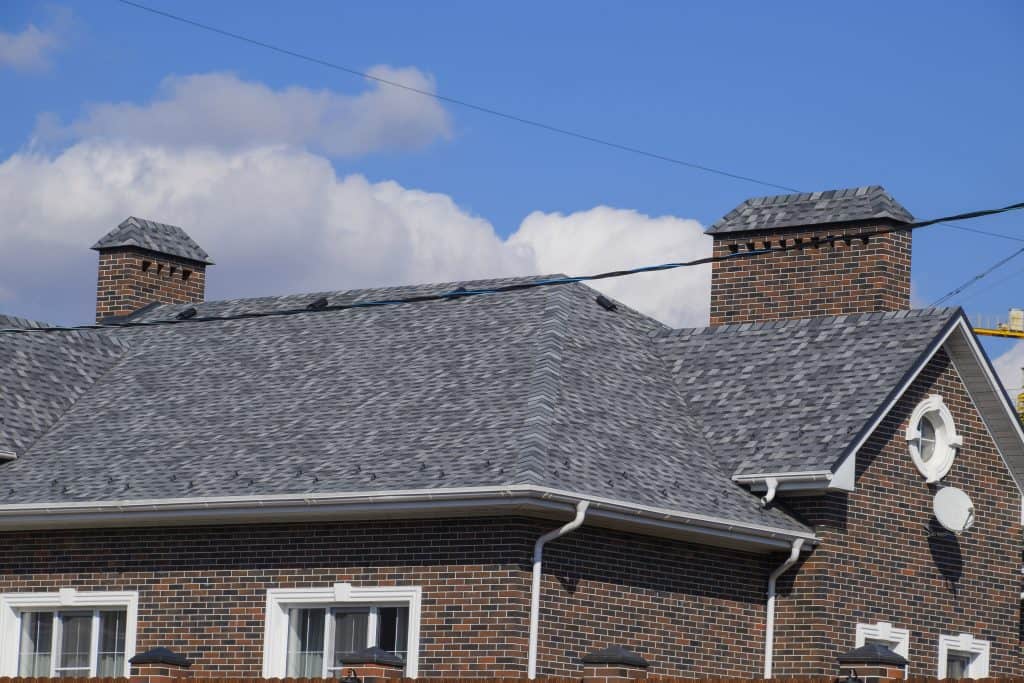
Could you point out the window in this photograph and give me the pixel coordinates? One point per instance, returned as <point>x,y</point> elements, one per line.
<point>884,633</point>
<point>963,656</point>
<point>309,631</point>
<point>67,634</point>
<point>320,637</point>
<point>932,438</point>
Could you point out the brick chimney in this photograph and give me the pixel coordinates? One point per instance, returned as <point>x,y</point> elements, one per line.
<point>853,276</point>
<point>142,262</point>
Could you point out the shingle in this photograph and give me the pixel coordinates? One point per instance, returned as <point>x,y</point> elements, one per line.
<point>797,391</point>
<point>813,208</point>
<point>152,236</point>
<point>541,387</point>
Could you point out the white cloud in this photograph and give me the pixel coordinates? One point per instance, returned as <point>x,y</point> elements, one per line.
<point>1008,367</point>
<point>279,220</point>
<point>604,239</point>
<point>30,48</point>
<point>222,111</point>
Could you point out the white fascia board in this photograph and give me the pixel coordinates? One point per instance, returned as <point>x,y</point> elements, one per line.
<point>843,477</point>
<point>393,504</point>
<point>978,356</point>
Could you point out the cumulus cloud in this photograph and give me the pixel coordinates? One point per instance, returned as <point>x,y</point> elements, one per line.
<point>279,220</point>
<point>1008,367</point>
<point>30,48</point>
<point>223,111</point>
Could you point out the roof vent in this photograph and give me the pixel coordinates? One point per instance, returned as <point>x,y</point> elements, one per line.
<point>318,305</point>
<point>606,303</point>
<point>189,312</point>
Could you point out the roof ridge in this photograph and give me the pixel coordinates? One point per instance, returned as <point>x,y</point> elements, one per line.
<point>814,320</point>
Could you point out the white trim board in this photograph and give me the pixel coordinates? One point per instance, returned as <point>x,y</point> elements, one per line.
<point>275,634</point>
<point>966,643</point>
<point>12,604</point>
<point>970,362</point>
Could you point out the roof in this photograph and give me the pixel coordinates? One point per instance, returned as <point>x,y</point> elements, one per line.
<point>160,238</point>
<point>757,387</point>
<point>540,387</point>
<point>812,208</point>
<point>11,322</point>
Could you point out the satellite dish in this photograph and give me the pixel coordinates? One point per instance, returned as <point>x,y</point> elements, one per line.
<point>954,509</point>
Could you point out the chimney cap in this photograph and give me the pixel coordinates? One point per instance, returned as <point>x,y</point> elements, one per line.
<point>807,209</point>
<point>872,653</point>
<point>159,238</point>
<point>615,655</point>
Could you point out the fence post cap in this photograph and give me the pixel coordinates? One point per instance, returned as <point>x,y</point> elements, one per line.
<point>161,655</point>
<point>616,655</point>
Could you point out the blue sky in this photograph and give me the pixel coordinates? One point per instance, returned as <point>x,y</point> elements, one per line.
<point>921,97</point>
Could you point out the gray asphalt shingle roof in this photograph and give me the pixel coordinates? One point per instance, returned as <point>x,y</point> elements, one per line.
<point>791,395</point>
<point>812,208</point>
<point>541,387</point>
<point>157,237</point>
<point>538,387</point>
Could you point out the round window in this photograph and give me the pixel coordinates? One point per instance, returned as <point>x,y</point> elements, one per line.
<point>932,438</point>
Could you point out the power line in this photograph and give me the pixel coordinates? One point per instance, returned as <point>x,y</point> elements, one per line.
<point>452,100</point>
<point>979,276</point>
<point>488,110</point>
<point>323,305</point>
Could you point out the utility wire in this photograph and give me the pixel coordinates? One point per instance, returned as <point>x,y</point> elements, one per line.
<point>452,100</point>
<point>488,110</point>
<point>979,276</point>
<point>189,315</point>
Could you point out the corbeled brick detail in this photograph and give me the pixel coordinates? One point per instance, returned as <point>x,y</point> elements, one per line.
<point>129,278</point>
<point>845,277</point>
<point>877,562</point>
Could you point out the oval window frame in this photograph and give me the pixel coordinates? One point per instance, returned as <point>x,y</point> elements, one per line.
<point>947,440</point>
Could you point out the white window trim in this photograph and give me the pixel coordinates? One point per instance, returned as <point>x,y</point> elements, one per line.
<point>279,600</point>
<point>966,643</point>
<point>947,441</point>
<point>13,604</point>
<point>883,630</point>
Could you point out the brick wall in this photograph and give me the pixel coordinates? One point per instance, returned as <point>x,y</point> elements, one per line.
<point>130,278</point>
<point>812,281</point>
<point>877,563</point>
<point>202,591</point>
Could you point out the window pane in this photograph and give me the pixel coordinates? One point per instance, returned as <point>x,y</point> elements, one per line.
<point>393,629</point>
<point>75,639</point>
<point>350,630</point>
<point>306,643</point>
<point>110,661</point>
<point>36,643</point>
<point>957,665</point>
<point>927,438</point>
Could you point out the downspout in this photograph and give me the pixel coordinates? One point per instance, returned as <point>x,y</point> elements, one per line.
<point>769,636</point>
<point>538,557</point>
<point>773,484</point>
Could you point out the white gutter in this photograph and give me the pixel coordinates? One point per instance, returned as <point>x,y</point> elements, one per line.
<point>538,559</point>
<point>769,636</point>
<point>410,502</point>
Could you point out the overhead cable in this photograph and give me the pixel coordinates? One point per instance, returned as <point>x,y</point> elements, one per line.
<point>462,292</point>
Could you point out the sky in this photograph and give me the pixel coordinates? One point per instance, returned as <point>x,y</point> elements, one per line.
<point>296,177</point>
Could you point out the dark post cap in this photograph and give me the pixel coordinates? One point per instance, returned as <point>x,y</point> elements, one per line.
<point>872,654</point>
<point>161,655</point>
<point>616,654</point>
<point>372,655</point>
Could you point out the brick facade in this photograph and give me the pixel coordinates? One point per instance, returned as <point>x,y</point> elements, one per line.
<point>850,277</point>
<point>129,278</point>
<point>877,563</point>
<point>202,590</point>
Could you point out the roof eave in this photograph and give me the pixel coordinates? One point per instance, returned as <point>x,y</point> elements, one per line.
<point>429,503</point>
